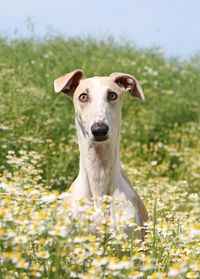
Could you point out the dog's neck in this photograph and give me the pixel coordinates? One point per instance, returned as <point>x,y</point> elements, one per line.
<point>99,163</point>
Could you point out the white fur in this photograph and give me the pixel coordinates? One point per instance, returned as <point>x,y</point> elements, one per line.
<point>99,167</point>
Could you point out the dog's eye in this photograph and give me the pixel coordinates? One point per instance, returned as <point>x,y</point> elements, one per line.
<point>83,98</point>
<point>112,96</point>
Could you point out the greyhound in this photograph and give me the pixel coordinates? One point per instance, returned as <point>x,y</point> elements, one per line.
<point>97,103</point>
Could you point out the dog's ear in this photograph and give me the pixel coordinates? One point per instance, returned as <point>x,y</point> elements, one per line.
<point>68,83</point>
<point>129,83</point>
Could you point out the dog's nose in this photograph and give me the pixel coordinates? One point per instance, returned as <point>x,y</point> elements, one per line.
<point>99,130</point>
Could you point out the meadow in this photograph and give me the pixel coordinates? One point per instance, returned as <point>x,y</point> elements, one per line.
<point>160,147</point>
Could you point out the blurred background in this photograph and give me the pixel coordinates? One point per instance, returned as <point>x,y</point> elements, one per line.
<point>172,25</point>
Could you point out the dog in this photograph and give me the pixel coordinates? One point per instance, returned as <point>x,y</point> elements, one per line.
<point>98,103</point>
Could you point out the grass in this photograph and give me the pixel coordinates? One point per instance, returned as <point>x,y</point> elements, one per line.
<point>39,157</point>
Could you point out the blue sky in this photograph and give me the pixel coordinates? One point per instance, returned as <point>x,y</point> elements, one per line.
<point>173,25</point>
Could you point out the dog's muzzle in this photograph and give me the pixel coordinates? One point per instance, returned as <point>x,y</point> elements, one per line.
<point>100,131</point>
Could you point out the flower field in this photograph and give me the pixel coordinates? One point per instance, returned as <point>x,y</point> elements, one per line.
<point>160,147</point>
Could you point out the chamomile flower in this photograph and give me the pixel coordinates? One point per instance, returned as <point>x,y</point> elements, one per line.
<point>177,269</point>
<point>43,254</point>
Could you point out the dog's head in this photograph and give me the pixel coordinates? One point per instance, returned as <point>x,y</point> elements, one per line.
<point>97,101</point>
